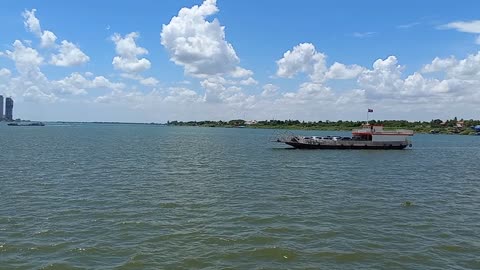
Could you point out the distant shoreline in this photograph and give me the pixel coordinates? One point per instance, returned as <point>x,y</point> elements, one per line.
<point>307,129</point>
<point>437,126</point>
<point>433,127</point>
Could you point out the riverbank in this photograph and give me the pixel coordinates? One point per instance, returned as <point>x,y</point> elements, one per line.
<point>433,127</point>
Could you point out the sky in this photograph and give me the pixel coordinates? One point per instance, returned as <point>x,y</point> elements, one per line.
<point>158,61</point>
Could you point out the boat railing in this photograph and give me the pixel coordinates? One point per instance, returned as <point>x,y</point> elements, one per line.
<point>389,132</point>
<point>397,131</point>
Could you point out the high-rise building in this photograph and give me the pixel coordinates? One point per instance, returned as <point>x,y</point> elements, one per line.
<point>1,107</point>
<point>9,109</point>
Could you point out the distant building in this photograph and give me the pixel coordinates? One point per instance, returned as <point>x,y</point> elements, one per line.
<point>1,107</point>
<point>9,109</point>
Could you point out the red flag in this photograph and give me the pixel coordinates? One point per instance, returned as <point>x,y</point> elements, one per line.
<point>370,110</point>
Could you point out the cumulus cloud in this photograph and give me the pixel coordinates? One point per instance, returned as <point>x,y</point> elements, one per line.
<point>309,92</point>
<point>47,39</point>
<point>240,72</point>
<point>355,96</point>
<point>34,94</point>
<point>25,58</point>
<point>269,90</point>
<point>146,81</point>
<point>182,95</point>
<point>69,55</point>
<point>460,81</point>
<point>248,81</point>
<point>30,82</point>
<point>150,81</point>
<point>439,64</point>
<point>76,84</point>
<point>134,99</point>
<point>341,71</point>
<point>128,52</point>
<point>5,73</point>
<point>384,78</point>
<point>32,24</point>
<point>302,58</point>
<point>199,45</point>
<point>220,90</point>
<point>465,69</point>
<point>102,82</point>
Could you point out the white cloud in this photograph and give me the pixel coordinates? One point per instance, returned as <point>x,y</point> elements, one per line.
<point>363,34</point>
<point>248,81</point>
<point>341,71</point>
<point>26,59</point>
<point>134,99</point>
<point>309,92</point>
<point>384,78</point>
<point>465,69</point>
<point>102,82</point>
<point>128,52</point>
<point>472,27</point>
<point>302,58</point>
<point>5,73</point>
<point>305,58</point>
<point>182,95</point>
<point>356,96</point>
<point>69,55</point>
<point>439,64</point>
<point>269,90</point>
<point>220,90</point>
<point>240,72</point>
<point>150,81</point>
<point>408,25</point>
<point>199,45</point>
<point>31,22</point>
<point>48,39</point>
<point>34,94</point>
<point>464,26</point>
<point>76,84</point>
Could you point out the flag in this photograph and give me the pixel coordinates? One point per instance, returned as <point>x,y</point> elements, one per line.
<point>370,110</point>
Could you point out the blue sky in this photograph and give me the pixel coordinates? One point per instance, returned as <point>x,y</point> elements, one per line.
<point>230,60</point>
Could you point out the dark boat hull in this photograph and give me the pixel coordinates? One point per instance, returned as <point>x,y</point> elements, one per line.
<point>367,145</point>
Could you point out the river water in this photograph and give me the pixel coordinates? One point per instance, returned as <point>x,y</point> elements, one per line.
<point>90,196</point>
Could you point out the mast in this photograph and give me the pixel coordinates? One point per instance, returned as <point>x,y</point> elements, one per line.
<point>368,112</point>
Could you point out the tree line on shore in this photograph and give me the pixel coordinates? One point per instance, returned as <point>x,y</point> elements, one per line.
<point>453,126</point>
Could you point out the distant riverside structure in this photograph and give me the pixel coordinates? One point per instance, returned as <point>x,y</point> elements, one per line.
<point>1,107</point>
<point>8,109</point>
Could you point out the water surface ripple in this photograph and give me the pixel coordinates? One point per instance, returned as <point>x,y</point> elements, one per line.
<point>92,196</point>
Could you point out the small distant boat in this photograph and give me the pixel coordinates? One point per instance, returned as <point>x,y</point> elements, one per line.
<point>34,124</point>
<point>367,137</point>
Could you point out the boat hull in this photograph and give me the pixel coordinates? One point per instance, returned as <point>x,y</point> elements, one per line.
<point>354,145</point>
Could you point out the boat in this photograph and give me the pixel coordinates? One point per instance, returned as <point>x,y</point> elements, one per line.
<point>34,124</point>
<point>366,137</point>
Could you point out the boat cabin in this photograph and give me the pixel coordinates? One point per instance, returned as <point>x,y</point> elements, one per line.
<point>376,133</point>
